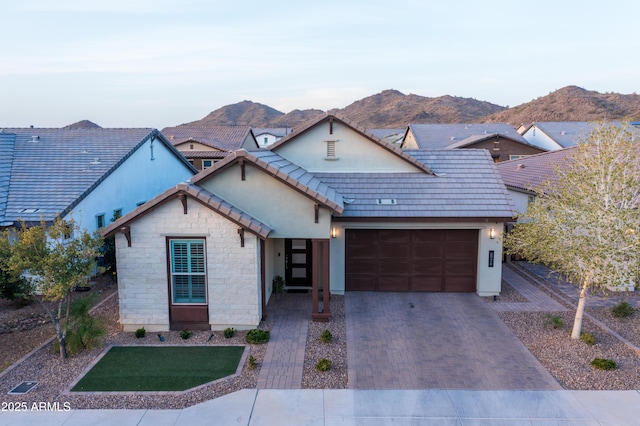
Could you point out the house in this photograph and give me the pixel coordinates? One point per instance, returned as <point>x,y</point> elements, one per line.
<point>269,136</point>
<point>392,136</point>
<point>205,145</point>
<point>89,175</point>
<point>552,135</point>
<point>501,140</point>
<point>330,207</point>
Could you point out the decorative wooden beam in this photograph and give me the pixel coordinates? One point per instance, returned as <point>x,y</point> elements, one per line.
<point>241,162</point>
<point>183,200</point>
<point>316,209</point>
<point>241,233</point>
<point>126,230</point>
<point>330,125</point>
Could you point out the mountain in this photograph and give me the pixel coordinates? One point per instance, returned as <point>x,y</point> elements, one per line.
<point>571,103</point>
<point>82,124</point>
<point>394,109</point>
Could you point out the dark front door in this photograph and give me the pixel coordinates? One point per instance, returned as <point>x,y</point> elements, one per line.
<point>297,263</point>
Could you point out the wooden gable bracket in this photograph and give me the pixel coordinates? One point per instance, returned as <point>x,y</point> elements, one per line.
<point>330,125</point>
<point>241,233</point>
<point>126,231</point>
<point>183,200</point>
<point>316,209</point>
<point>241,162</point>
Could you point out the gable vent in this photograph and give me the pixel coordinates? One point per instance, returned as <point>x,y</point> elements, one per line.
<point>331,150</point>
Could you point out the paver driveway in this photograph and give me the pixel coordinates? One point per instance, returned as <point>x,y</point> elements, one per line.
<point>435,341</point>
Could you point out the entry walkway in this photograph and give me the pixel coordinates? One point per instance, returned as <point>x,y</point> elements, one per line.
<point>252,407</point>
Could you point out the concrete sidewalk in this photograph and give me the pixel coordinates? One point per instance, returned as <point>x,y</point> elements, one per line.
<point>359,407</point>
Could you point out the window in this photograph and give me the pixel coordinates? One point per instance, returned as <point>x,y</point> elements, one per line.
<point>188,274</point>
<point>266,140</point>
<point>331,151</point>
<point>117,214</point>
<point>515,157</point>
<point>531,199</point>
<point>206,164</point>
<point>100,220</point>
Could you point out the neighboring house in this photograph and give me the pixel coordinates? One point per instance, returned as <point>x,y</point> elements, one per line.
<point>552,135</point>
<point>84,174</point>
<point>204,146</point>
<point>523,176</point>
<point>501,140</point>
<point>268,136</point>
<point>331,208</point>
<point>393,136</point>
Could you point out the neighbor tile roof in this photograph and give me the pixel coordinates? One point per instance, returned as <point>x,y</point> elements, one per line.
<point>284,170</point>
<point>205,154</point>
<point>54,169</point>
<point>466,185</point>
<point>528,173</point>
<point>567,133</point>
<point>203,196</point>
<point>278,132</point>
<point>228,138</point>
<point>442,136</point>
<point>7,141</point>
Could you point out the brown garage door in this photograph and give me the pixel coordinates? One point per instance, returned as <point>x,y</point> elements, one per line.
<point>411,260</point>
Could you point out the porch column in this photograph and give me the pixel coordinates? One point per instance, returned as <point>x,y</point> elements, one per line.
<point>320,280</point>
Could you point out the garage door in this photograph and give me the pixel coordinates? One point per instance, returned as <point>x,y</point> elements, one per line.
<point>411,260</point>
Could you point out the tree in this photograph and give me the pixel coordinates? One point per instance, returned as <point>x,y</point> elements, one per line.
<point>58,258</point>
<point>585,222</point>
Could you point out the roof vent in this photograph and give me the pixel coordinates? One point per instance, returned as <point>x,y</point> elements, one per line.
<point>520,166</point>
<point>453,138</point>
<point>563,133</point>
<point>95,161</point>
<point>35,138</point>
<point>386,201</point>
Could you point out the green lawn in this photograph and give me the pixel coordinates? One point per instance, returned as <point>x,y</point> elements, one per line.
<point>164,368</point>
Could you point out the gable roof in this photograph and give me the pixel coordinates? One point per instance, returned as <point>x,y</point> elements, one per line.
<point>53,170</point>
<point>282,169</point>
<point>444,136</point>
<point>483,137</point>
<point>278,132</point>
<point>226,138</point>
<point>528,173</point>
<point>202,196</point>
<point>466,186</point>
<point>374,139</point>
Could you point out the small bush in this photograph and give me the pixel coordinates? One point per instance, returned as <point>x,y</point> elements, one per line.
<point>588,338</point>
<point>252,363</point>
<point>554,321</point>
<point>278,284</point>
<point>140,333</point>
<point>85,331</point>
<point>185,334</point>
<point>603,364</point>
<point>323,364</point>
<point>326,336</point>
<point>257,336</point>
<point>622,310</point>
<point>229,332</point>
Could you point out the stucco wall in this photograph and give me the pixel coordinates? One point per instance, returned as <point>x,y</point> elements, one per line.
<point>233,277</point>
<point>354,152</point>
<point>520,200</point>
<point>138,179</point>
<point>488,278</point>
<point>538,138</point>
<point>288,212</point>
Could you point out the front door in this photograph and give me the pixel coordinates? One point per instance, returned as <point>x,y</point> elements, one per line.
<point>297,264</point>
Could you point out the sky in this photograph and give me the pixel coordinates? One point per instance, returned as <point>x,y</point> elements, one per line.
<point>159,63</point>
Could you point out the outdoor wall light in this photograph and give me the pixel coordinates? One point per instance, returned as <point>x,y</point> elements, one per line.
<point>492,233</point>
<point>334,232</point>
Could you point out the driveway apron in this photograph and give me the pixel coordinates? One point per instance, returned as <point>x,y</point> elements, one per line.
<point>435,341</point>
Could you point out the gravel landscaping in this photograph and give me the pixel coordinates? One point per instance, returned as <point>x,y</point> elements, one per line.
<point>567,360</point>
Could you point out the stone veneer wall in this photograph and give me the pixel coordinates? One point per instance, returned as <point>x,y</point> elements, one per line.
<point>232,271</point>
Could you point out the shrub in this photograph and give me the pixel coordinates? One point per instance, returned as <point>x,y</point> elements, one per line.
<point>603,364</point>
<point>141,332</point>
<point>326,336</point>
<point>622,310</point>
<point>323,364</point>
<point>257,336</point>
<point>185,334</point>
<point>85,331</point>
<point>229,332</point>
<point>554,321</point>
<point>588,338</point>
<point>278,284</point>
<point>252,363</point>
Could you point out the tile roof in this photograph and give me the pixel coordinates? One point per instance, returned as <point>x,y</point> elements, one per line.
<point>7,141</point>
<point>203,196</point>
<point>282,169</point>
<point>442,136</point>
<point>528,173</point>
<point>278,132</point>
<point>205,154</point>
<point>228,138</point>
<point>54,169</point>
<point>466,185</point>
<point>567,133</point>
